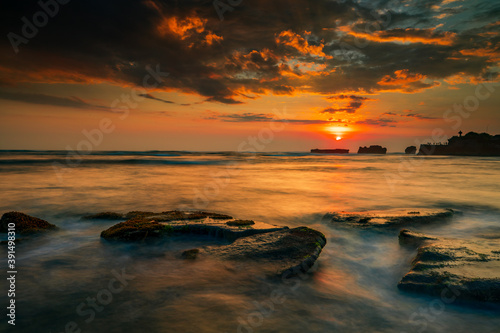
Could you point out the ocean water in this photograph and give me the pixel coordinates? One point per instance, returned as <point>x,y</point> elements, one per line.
<point>353,287</point>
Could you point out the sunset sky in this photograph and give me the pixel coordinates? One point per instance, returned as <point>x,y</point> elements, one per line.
<point>336,74</point>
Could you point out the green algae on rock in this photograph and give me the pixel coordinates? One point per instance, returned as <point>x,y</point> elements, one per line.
<point>25,224</point>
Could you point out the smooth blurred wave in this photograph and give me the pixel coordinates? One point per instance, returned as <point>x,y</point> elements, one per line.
<point>354,288</point>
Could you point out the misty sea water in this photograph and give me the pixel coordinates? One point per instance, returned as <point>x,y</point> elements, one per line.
<point>353,287</point>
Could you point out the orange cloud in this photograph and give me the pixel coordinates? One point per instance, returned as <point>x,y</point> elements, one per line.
<point>289,38</point>
<point>181,28</point>
<point>253,60</point>
<point>401,77</point>
<point>492,54</point>
<point>409,35</point>
<point>211,38</point>
<point>462,78</point>
<point>405,81</point>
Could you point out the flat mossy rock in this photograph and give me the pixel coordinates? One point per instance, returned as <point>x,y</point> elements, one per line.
<point>135,229</point>
<point>179,222</point>
<point>275,249</point>
<point>25,224</point>
<point>389,218</point>
<point>469,270</point>
<point>165,216</point>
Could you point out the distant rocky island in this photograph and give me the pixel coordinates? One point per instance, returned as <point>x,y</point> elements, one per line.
<point>471,144</point>
<point>330,151</point>
<point>372,150</point>
<point>411,150</point>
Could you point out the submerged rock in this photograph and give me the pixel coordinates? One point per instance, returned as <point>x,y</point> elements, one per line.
<point>240,223</point>
<point>275,249</point>
<point>25,224</point>
<point>104,216</point>
<point>190,254</point>
<point>467,270</point>
<point>389,218</point>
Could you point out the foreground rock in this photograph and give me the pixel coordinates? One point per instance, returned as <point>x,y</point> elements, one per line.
<point>390,218</point>
<point>24,224</point>
<point>467,270</point>
<point>286,252</point>
<point>274,249</point>
<point>178,222</point>
<point>168,215</point>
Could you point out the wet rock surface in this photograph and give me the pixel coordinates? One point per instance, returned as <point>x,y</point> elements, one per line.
<point>286,252</point>
<point>157,225</point>
<point>25,224</point>
<point>389,218</point>
<point>276,250</point>
<point>467,269</point>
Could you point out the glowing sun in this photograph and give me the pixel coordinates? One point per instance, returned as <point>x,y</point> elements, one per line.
<point>338,138</point>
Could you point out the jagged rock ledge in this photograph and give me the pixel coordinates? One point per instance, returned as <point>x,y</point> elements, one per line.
<point>24,224</point>
<point>277,250</point>
<point>389,218</point>
<point>467,270</point>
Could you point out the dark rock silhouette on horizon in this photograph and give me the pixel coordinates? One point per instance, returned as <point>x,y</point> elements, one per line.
<point>330,151</point>
<point>411,150</point>
<point>471,144</point>
<point>375,149</point>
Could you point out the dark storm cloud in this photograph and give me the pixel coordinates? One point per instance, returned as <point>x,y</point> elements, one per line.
<point>149,96</point>
<point>261,117</point>
<point>352,107</point>
<point>378,122</point>
<point>262,47</point>
<point>245,117</point>
<point>410,114</point>
<point>354,103</point>
<point>351,97</point>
